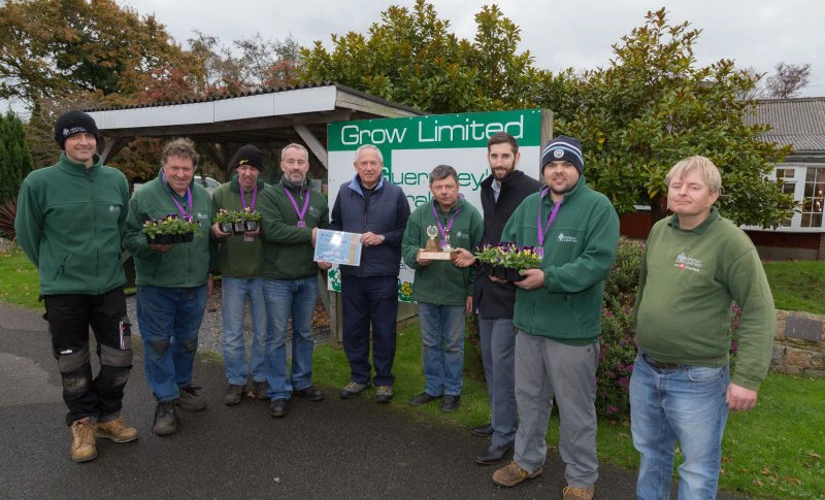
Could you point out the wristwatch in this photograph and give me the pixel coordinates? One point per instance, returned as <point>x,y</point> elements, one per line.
<point>382,237</point>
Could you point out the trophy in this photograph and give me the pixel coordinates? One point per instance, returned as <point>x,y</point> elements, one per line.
<point>435,251</point>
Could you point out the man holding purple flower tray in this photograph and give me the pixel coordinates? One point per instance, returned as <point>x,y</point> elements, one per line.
<point>173,282</point>
<point>558,317</point>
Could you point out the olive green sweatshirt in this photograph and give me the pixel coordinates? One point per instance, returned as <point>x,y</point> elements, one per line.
<point>237,258</point>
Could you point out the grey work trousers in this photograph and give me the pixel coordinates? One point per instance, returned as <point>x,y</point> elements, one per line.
<point>546,369</point>
<point>498,345</point>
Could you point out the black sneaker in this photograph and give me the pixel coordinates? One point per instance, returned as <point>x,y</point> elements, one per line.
<point>166,419</point>
<point>233,396</point>
<point>189,400</point>
<point>278,407</point>
<point>310,393</point>
<point>450,403</point>
<point>423,399</point>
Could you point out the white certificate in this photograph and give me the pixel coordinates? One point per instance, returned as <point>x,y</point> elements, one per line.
<point>338,247</point>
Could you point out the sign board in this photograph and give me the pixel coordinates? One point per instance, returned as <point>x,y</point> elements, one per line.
<point>413,146</point>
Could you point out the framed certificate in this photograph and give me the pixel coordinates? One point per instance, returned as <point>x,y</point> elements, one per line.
<point>338,247</point>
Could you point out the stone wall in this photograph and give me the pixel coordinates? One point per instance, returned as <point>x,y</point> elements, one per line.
<point>799,344</point>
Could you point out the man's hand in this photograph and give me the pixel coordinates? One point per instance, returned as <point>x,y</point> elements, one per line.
<point>463,257</point>
<point>210,285</point>
<point>371,239</point>
<point>324,266</point>
<point>216,230</point>
<point>422,262</point>
<point>314,236</point>
<point>497,280</point>
<point>160,248</point>
<point>468,305</point>
<point>739,398</point>
<point>534,279</point>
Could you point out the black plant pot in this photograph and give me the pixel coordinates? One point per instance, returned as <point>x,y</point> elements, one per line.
<point>251,226</point>
<point>499,272</point>
<point>227,227</point>
<point>188,237</point>
<point>177,238</point>
<point>485,268</point>
<point>152,240</point>
<point>240,227</point>
<point>513,275</point>
<point>165,239</point>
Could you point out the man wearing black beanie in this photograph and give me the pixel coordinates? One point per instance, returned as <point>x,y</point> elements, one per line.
<point>69,222</point>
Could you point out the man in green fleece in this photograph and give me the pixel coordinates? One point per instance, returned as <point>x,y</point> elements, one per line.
<point>70,219</point>
<point>696,266</point>
<point>558,317</point>
<point>443,291</point>
<point>292,215</point>
<point>173,282</point>
<point>241,266</point>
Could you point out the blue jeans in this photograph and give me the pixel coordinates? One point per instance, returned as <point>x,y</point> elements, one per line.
<point>372,300</point>
<point>442,333</point>
<point>287,299</point>
<point>234,294</point>
<point>684,404</point>
<point>169,320</point>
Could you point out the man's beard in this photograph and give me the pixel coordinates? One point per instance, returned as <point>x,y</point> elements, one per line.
<point>294,185</point>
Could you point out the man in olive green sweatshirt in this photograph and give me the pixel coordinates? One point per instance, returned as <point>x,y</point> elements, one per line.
<point>292,215</point>
<point>696,266</point>
<point>558,317</point>
<point>443,291</point>
<point>241,265</point>
<point>70,220</point>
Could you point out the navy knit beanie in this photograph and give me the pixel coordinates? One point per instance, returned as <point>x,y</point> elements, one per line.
<point>249,155</point>
<point>563,148</point>
<point>71,123</point>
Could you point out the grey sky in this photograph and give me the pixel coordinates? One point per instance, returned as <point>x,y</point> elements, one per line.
<point>757,33</point>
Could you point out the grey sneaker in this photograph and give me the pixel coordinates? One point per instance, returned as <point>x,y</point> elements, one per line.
<point>352,389</point>
<point>234,394</point>
<point>259,390</point>
<point>383,393</point>
<point>189,400</point>
<point>166,419</point>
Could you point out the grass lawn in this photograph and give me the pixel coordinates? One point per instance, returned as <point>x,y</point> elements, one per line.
<point>774,451</point>
<point>19,280</point>
<point>798,286</point>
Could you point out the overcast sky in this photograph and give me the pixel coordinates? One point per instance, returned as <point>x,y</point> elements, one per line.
<point>757,33</point>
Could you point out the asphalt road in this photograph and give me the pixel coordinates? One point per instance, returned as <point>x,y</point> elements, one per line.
<point>334,449</point>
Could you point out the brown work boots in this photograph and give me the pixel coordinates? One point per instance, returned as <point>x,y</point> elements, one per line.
<point>84,433</point>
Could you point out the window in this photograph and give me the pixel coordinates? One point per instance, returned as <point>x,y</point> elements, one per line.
<point>813,197</point>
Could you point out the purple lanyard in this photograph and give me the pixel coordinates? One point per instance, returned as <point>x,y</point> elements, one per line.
<point>188,197</point>
<point>441,228</point>
<point>302,212</point>
<point>254,196</point>
<point>543,234</point>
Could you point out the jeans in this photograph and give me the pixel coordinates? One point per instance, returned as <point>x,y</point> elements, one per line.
<point>285,299</point>
<point>69,317</point>
<point>442,334</point>
<point>372,300</point>
<point>169,320</point>
<point>234,294</point>
<point>498,348</point>
<point>684,404</point>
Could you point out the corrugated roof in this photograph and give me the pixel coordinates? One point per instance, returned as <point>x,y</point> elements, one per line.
<point>799,122</point>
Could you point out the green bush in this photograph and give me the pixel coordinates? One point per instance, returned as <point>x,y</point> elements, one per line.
<point>15,159</point>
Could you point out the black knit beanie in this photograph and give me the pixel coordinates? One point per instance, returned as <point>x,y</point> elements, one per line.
<point>249,155</point>
<point>71,123</point>
<point>563,148</point>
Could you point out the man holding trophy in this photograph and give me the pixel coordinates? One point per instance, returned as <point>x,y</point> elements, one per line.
<point>443,291</point>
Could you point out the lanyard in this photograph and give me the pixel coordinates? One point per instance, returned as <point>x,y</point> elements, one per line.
<point>301,212</point>
<point>254,196</point>
<point>442,229</point>
<point>188,198</point>
<point>543,234</point>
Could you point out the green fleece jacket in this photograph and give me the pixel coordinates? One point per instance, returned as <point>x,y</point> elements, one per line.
<point>689,280</point>
<point>69,222</point>
<point>442,283</point>
<point>579,251</point>
<point>288,251</point>
<point>186,265</point>
<point>237,258</point>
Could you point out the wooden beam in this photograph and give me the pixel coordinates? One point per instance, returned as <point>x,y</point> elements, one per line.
<point>314,145</point>
<point>113,147</point>
<point>212,152</point>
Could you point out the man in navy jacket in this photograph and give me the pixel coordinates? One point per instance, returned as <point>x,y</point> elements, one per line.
<point>378,209</point>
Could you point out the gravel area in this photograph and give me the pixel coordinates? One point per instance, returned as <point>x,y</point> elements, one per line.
<point>209,337</point>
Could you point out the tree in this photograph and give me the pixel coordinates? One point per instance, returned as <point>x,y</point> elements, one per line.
<point>410,57</point>
<point>788,80</point>
<point>15,159</point>
<point>53,47</point>
<point>653,106</point>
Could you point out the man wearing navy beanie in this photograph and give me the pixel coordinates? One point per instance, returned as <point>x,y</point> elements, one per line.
<point>558,317</point>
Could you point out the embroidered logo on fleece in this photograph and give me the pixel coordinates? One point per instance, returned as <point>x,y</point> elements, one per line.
<point>689,263</point>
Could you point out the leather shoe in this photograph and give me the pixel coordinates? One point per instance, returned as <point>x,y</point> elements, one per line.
<point>450,403</point>
<point>493,454</point>
<point>278,408</point>
<point>484,431</point>
<point>310,393</point>
<point>422,399</point>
